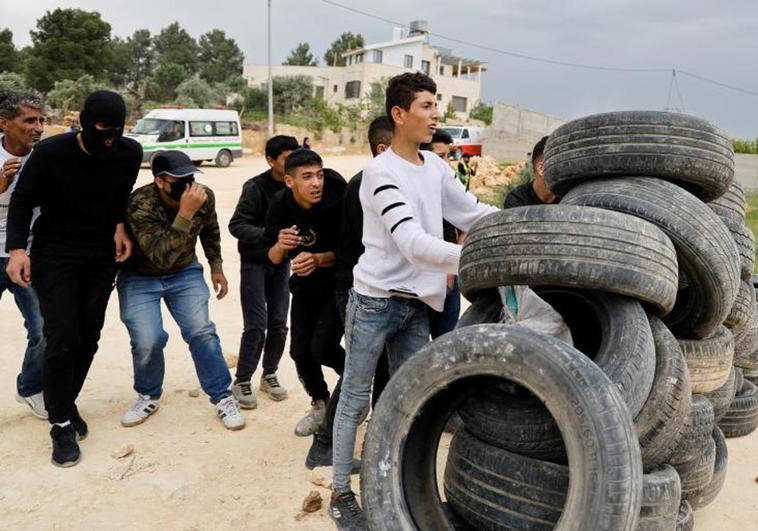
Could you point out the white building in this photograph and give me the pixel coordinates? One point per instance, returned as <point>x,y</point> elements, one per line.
<point>458,79</point>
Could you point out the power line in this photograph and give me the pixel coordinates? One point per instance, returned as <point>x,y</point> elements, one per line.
<point>503,52</point>
<point>553,61</point>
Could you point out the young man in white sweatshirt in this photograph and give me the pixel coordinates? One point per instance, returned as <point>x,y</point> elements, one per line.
<point>405,194</point>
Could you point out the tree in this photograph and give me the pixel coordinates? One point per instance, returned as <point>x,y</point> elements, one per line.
<point>198,91</point>
<point>10,81</point>
<point>481,111</point>
<point>8,54</point>
<point>377,96</point>
<point>141,57</point>
<point>347,41</point>
<point>291,92</point>
<point>67,44</point>
<point>175,46</point>
<point>256,98</point>
<point>301,56</point>
<point>69,94</point>
<point>220,57</point>
<point>162,85</point>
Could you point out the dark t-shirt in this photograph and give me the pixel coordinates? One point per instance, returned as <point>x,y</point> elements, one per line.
<point>350,245</point>
<point>523,195</point>
<point>82,198</point>
<point>319,226</point>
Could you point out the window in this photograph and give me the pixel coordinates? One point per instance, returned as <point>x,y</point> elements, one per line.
<point>465,134</point>
<point>171,130</point>
<point>378,56</point>
<point>201,129</point>
<point>439,96</point>
<point>442,70</point>
<point>408,61</point>
<point>359,58</point>
<point>226,128</point>
<point>425,67</point>
<point>320,93</point>
<point>352,89</point>
<point>459,104</point>
<point>336,88</point>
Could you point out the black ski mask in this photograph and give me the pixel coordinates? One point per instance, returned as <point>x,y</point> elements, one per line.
<point>108,108</point>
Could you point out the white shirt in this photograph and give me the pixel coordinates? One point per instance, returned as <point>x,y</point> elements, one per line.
<point>403,208</point>
<point>5,199</point>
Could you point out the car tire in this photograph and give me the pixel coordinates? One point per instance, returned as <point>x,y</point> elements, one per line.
<point>569,246</point>
<point>745,240</point>
<point>705,253</point>
<point>699,498</point>
<point>661,421</point>
<point>709,360</point>
<point>732,204</point>
<point>224,158</point>
<point>398,476</point>
<point>696,433</point>
<point>742,416</point>
<point>722,397</point>
<point>686,150</point>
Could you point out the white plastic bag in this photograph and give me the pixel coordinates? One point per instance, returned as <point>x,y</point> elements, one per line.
<point>523,307</point>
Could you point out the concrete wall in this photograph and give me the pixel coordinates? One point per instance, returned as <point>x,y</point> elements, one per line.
<point>746,170</point>
<point>514,131</point>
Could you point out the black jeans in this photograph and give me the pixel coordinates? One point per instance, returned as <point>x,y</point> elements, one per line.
<point>315,338</point>
<point>382,373</point>
<point>265,298</point>
<point>73,294</point>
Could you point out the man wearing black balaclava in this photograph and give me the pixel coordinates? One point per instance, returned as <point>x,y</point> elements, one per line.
<point>81,181</point>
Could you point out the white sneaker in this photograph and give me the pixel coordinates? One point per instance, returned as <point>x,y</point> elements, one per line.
<point>313,420</point>
<point>142,408</point>
<point>229,412</point>
<point>36,403</point>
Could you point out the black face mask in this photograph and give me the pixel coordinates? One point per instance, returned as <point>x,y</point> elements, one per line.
<point>109,109</point>
<point>178,187</point>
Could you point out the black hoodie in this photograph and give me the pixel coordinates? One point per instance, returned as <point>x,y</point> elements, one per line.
<point>319,226</point>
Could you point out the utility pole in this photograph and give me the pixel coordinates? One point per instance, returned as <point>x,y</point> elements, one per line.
<point>270,81</point>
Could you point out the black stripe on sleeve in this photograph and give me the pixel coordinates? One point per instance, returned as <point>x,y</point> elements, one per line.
<point>398,223</point>
<point>384,187</point>
<point>390,207</point>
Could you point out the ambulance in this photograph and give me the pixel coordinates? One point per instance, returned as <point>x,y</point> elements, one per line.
<point>466,139</point>
<point>203,134</point>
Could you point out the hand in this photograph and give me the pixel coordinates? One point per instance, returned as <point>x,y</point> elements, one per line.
<point>192,199</point>
<point>10,169</point>
<point>123,243</point>
<point>19,268</point>
<point>450,282</point>
<point>220,285</point>
<point>304,264</point>
<point>289,238</point>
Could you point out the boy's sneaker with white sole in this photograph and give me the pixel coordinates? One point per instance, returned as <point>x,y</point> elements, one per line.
<point>142,408</point>
<point>229,412</point>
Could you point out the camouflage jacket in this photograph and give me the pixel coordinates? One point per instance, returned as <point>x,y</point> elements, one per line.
<point>164,242</point>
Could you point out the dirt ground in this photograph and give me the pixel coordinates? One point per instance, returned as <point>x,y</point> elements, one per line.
<point>187,472</point>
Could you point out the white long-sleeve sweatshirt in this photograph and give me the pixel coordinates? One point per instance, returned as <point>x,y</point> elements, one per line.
<point>403,208</point>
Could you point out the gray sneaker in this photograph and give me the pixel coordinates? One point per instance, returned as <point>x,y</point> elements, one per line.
<point>270,386</point>
<point>243,392</point>
<point>142,408</point>
<point>308,425</point>
<point>36,403</point>
<point>229,413</point>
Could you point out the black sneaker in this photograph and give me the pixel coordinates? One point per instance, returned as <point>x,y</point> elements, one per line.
<point>77,422</point>
<point>320,454</point>
<point>346,513</point>
<point>65,448</point>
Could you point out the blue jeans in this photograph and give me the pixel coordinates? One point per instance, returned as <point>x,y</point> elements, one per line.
<point>445,321</point>
<point>186,295</point>
<point>371,325</point>
<point>29,380</point>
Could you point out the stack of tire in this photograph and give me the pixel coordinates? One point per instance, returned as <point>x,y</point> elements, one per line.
<point>736,403</point>
<point>633,186</point>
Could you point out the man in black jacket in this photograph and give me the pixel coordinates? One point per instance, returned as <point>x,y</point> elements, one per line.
<point>303,225</point>
<point>82,183</point>
<point>263,286</point>
<point>536,191</point>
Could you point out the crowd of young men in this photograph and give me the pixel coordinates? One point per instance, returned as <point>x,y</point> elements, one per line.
<point>374,258</point>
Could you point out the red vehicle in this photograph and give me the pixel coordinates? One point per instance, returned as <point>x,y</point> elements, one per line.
<point>466,139</point>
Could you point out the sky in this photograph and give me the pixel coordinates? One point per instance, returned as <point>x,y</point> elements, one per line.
<point>711,39</point>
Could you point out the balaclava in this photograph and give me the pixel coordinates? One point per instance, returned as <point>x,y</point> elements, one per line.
<point>178,187</point>
<point>108,108</point>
